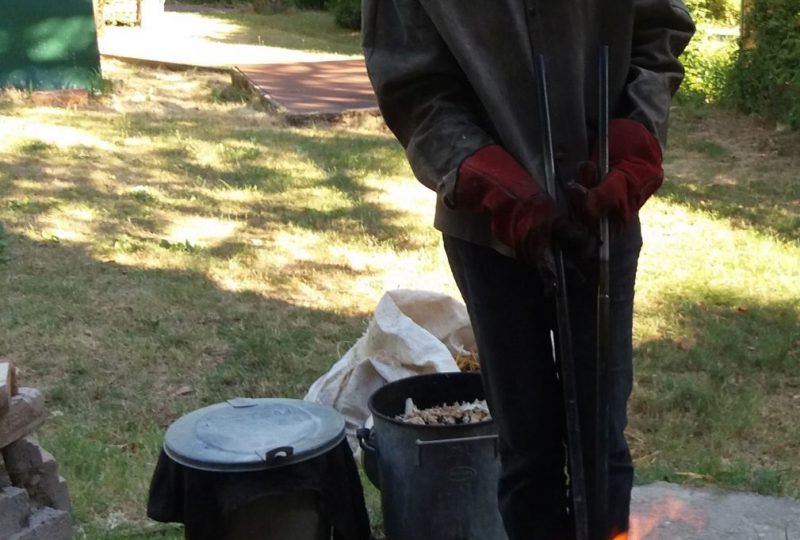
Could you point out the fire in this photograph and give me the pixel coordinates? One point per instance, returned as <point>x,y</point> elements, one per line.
<point>643,524</point>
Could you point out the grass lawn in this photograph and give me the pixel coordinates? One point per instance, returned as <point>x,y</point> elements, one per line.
<point>312,31</point>
<point>164,249</point>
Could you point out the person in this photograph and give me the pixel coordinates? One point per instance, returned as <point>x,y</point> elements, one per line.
<point>456,83</point>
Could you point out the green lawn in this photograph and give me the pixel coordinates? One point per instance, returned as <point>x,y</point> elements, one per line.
<point>165,249</point>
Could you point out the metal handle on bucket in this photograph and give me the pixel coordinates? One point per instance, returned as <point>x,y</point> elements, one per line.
<point>363,436</point>
<point>369,455</point>
<point>282,452</point>
<point>476,438</point>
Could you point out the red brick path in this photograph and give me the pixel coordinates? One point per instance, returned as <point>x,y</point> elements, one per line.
<point>332,86</point>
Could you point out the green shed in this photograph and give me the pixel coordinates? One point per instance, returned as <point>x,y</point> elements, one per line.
<point>48,44</point>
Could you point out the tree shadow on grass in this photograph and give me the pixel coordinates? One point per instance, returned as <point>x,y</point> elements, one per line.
<point>737,168</point>
<point>299,30</point>
<point>256,160</point>
<point>757,205</point>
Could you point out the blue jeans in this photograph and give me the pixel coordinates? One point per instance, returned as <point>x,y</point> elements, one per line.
<point>512,320</point>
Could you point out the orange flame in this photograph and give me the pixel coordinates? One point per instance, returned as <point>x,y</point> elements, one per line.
<point>643,525</point>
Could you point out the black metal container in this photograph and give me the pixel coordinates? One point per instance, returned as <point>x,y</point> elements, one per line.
<point>437,482</point>
<point>238,442</point>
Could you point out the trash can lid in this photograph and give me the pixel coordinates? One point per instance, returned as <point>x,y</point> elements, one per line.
<point>245,434</point>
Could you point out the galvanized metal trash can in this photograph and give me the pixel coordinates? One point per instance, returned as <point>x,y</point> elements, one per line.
<point>436,481</point>
<point>241,438</point>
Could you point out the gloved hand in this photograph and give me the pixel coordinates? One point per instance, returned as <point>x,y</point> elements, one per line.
<point>523,216</point>
<point>635,173</point>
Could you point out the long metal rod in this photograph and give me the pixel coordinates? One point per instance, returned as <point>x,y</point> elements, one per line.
<point>603,322</point>
<point>564,335</point>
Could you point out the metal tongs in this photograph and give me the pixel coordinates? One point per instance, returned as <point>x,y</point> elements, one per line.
<point>555,265</point>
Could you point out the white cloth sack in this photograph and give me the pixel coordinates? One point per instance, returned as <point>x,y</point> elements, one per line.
<point>412,332</point>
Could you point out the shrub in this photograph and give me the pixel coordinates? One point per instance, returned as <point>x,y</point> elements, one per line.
<point>347,13</point>
<point>709,61</point>
<point>270,6</point>
<point>718,11</point>
<point>310,4</point>
<point>766,78</point>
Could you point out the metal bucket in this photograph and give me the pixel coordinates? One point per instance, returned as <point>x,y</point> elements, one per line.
<point>436,481</point>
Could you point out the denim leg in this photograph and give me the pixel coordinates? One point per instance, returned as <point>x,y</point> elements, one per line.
<point>512,321</point>
<point>583,314</point>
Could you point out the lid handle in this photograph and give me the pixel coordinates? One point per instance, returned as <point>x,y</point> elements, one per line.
<point>281,452</point>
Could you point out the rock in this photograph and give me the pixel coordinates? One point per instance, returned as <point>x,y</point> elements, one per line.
<point>32,467</point>
<point>46,524</point>
<point>15,508</point>
<point>26,412</point>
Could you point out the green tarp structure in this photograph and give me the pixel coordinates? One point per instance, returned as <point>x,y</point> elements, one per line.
<point>48,45</point>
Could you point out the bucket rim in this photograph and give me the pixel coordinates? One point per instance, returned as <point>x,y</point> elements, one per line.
<point>433,427</point>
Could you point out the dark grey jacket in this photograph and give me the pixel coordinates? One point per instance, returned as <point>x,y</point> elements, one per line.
<point>454,75</point>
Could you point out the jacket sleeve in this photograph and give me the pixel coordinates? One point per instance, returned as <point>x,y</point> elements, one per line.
<point>662,29</point>
<point>423,95</point>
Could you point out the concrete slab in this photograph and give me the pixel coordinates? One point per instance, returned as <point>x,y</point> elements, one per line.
<point>665,511</point>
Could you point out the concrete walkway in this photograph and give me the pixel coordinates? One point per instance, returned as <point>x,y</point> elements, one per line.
<point>292,82</point>
<point>664,511</point>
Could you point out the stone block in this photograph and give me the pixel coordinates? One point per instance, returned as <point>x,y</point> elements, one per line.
<point>59,495</point>
<point>15,507</point>
<point>46,524</point>
<point>32,467</point>
<point>5,480</point>
<point>25,413</point>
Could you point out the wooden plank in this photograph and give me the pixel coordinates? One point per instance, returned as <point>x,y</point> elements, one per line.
<point>8,385</point>
<point>26,412</point>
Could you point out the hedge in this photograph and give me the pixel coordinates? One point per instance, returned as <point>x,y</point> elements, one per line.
<point>766,76</point>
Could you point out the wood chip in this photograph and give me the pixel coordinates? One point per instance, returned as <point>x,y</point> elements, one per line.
<point>463,412</point>
<point>467,361</point>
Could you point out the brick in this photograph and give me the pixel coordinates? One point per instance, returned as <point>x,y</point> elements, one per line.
<point>46,524</point>
<point>60,98</point>
<point>25,413</point>
<point>15,507</point>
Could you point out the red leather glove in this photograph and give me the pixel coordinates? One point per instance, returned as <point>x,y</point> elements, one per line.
<point>523,216</point>
<point>635,173</point>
